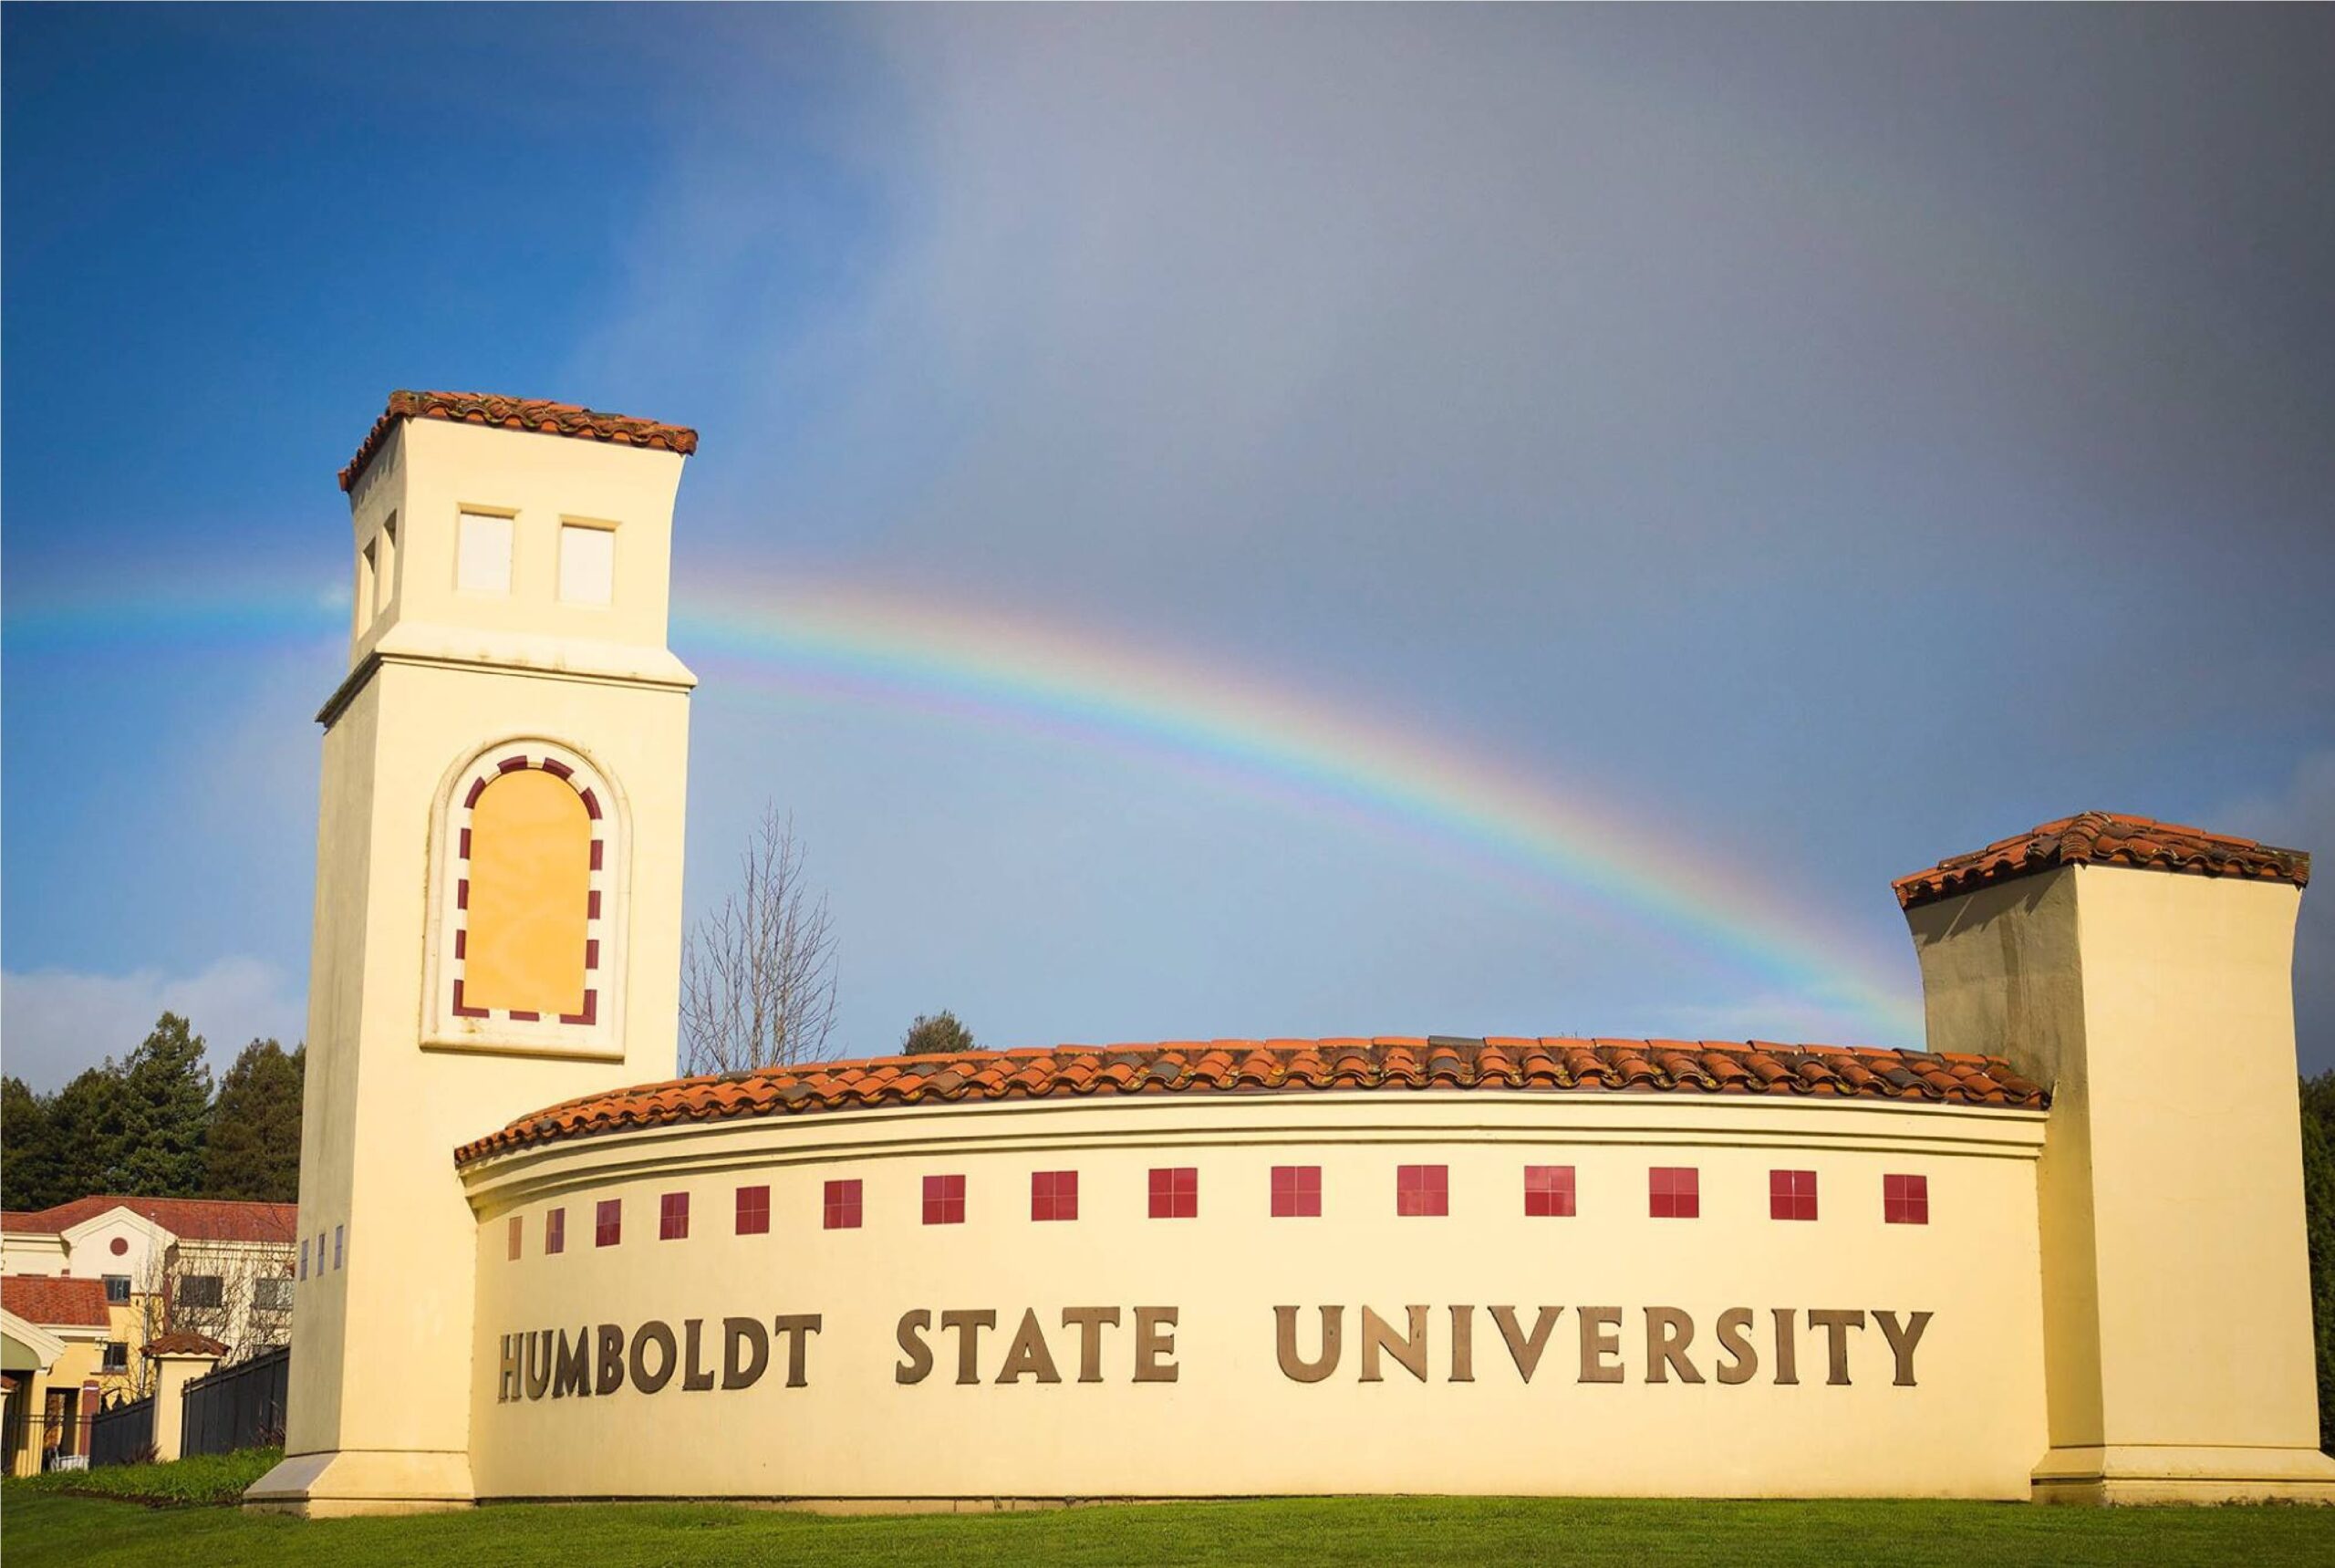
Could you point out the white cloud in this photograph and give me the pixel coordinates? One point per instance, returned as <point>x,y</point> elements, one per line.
<point>54,1022</point>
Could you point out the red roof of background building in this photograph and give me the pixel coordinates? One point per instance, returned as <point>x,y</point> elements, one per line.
<point>2104,839</point>
<point>56,1303</point>
<point>187,1219</point>
<point>1233,1065</point>
<point>517,414</point>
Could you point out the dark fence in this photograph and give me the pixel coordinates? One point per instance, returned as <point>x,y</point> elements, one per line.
<point>238,1406</point>
<point>123,1434</point>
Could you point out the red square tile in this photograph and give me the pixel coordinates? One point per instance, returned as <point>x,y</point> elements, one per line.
<point>1054,1195</point>
<point>753,1211</point>
<point>1905,1200</point>
<point>1791,1195</point>
<point>673,1217</point>
<point>607,1222</point>
<point>1176,1192</point>
<point>944,1200</point>
<point>1674,1192</point>
<point>1549,1192</point>
<point>840,1205</point>
<point>518,1232</point>
<point>555,1231</point>
<point>1297,1191</point>
<point>1423,1192</point>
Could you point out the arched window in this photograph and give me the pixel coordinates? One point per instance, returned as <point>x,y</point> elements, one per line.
<point>525,949</point>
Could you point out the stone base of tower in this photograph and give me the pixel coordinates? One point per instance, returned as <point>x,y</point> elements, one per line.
<point>2150,1474</point>
<point>363,1481</point>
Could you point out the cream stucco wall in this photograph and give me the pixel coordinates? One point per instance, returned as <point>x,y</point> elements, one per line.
<point>2158,1008</point>
<point>1232,1423</point>
<point>376,1404</point>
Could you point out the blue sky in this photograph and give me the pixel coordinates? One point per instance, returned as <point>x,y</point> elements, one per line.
<point>1810,441</point>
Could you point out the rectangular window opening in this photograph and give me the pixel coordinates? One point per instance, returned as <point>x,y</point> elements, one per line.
<point>118,1290</point>
<point>518,1236</point>
<point>483,553</point>
<point>587,565</point>
<point>555,1231</point>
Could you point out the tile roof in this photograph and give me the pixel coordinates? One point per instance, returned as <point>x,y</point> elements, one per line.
<point>2104,839</point>
<point>1185,1066</point>
<point>182,1342</point>
<point>517,414</point>
<point>53,1302</point>
<point>187,1219</point>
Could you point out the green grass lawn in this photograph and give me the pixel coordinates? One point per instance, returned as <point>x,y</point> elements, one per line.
<point>40,1524</point>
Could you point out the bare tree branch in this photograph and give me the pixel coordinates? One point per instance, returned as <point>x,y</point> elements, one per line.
<point>758,975</point>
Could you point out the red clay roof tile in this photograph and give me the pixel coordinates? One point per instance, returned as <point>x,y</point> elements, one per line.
<point>517,414</point>
<point>182,1342</point>
<point>2104,839</point>
<point>187,1219</point>
<point>56,1303</point>
<point>1703,1066</point>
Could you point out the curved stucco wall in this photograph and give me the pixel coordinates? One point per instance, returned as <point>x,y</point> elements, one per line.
<point>1232,1420</point>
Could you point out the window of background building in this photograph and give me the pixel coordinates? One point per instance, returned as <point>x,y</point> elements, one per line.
<point>1176,1192</point>
<point>1550,1191</point>
<point>1297,1191</point>
<point>944,1200</point>
<point>840,1205</point>
<point>117,1355</point>
<point>270,1293</point>
<point>1674,1192</point>
<point>201,1290</point>
<point>118,1290</point>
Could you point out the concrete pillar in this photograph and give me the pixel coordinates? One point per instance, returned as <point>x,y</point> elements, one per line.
<point>173,1370</point>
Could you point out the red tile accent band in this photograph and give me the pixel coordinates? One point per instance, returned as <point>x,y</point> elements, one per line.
<point>532,414</point>
<point>1674,1192</point>
<point>840,1205</point>
<point>753,1211</point>
<point>1791,1195</point>
<point>511,765</point>
<point>1550,1192</point>
<point>2104,839</point>
<point>556,768</point>
<point>1553,1064</point>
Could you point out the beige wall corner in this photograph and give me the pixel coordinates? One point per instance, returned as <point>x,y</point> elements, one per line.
<point>348,1483</point>
<point>2157,1007</point>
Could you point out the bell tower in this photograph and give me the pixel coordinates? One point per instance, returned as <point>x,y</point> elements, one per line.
<point>498,890</point>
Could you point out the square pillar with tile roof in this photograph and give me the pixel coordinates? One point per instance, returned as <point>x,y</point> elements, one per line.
<point>2143,972</point>
<point>498,890</point>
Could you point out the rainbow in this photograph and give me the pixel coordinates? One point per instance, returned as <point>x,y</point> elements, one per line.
<point>827,639</point>
<point>837,640</point>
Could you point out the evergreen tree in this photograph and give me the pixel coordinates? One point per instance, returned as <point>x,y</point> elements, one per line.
<point>26,1155</point>
<point>77,1144</point>
<point>938,1035</point>
<point>2319,1219</point>
<point>252,1150</point>
<point>162,1109</point>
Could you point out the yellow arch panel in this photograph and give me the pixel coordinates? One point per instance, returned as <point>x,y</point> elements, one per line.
<point>530,876</point>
